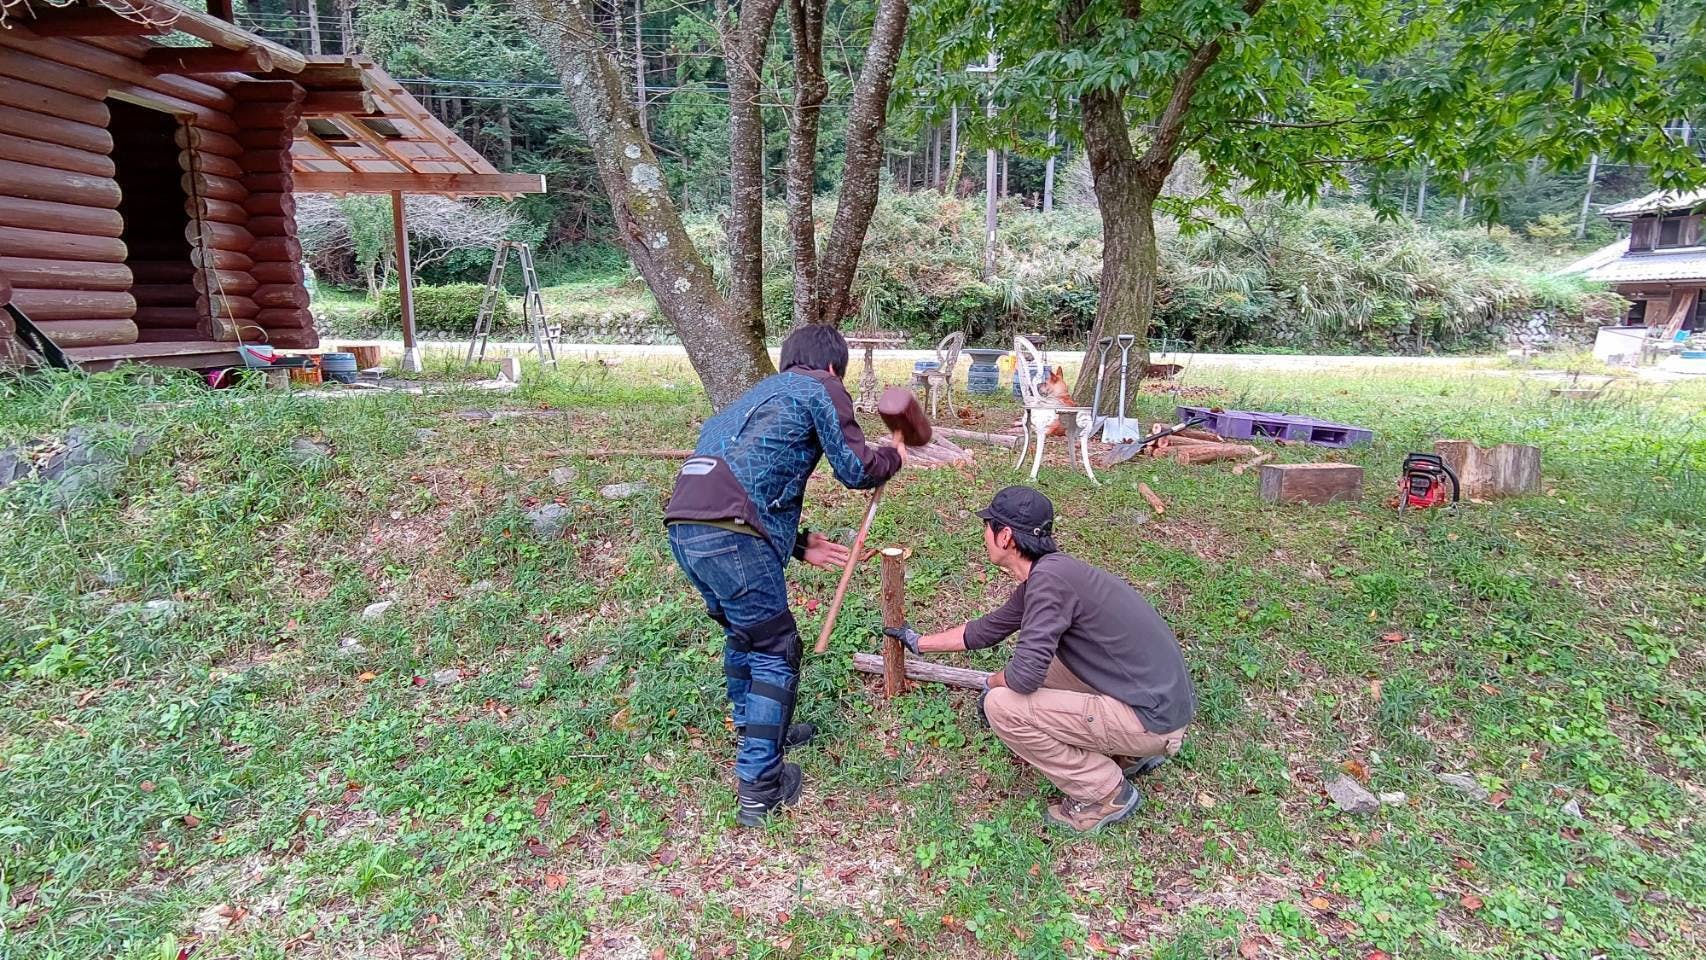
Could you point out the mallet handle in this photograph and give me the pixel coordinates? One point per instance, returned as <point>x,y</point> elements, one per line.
<point>847,573</point>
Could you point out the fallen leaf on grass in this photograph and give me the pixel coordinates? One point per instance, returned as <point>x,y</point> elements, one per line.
<point>146,786</point>
<point>367,676</point>
<point>1320,903</point>
<point>1378,955</point>
<point>538,848</point>
<point>1471,902</point>
<point>192,821</point>
<point>1392,636</point>
<point>659,954</point>
<point>1206,801</point>
<point>1097,944</point>
<point>1355,768</point>
<point>1250,949</point>
<point>1489,690</point>
<point>1498,799</point>
<point>555,881</point>
<point>1374,689</point>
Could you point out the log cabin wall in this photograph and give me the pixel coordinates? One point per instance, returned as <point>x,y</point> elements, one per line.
<point>64,203</point>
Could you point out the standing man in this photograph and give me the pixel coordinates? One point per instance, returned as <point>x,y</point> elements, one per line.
<point>1096,674</point>
<point>734,523</point>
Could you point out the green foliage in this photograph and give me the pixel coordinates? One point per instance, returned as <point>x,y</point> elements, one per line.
<point>451,308</point>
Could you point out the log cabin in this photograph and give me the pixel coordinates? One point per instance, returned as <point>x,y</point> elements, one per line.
<point>1660,268</point>
<point>150,157</point>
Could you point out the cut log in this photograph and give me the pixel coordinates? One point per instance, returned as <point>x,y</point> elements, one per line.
<point>291,338</point>
<point>93,22</point>
<point>208,141</point>
<point>276,248</point>
<point>1310,482</point>
<point>40,153</point>
<point>219,236</point>
<point>271,205</point>
<point>35,98</point>
<point>219,211</point>
<point>1489,473</point>
<point>268,91</point>
<point>74,304</point>
<point>998,439</point>
<point>1191,433</point>
<point>367,355</point>
<point>893,586</point>
<point>1155,502</point>
<point>20,65</point>
<point>95,55</point>
<point>217,188</point>
<point>65,217</point>
<point>281,296</point>
<point>262,115</point>
<point>277,271</point>
<point>16,242</point>
<point>29,271</point>
<point>1195,453</point>
<point>327,103</point>
<point>200,161</point>
<point>89,333</point>
<point>262,163</point>
<point>66,133</point>
<point>265,138</point>
<point>225,282</point>
<point>285,319</point>
<point>271,227</point>
<point>230,307</point>
<point>200,61</point>
<point>266,182</point>
<point>33,182</point>
<point>211,258</point>
<point>925,670</point>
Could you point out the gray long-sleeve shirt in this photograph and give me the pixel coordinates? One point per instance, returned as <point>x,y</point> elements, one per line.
<point>1102,630</point>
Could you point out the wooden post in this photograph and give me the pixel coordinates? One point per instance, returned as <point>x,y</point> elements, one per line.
<point>405,283</point>
<point>894,615</point>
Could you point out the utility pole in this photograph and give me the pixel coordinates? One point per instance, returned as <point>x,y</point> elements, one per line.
<point>1587,196</point>
<point>314,27</point>
<point>1422,193</point>
<point>991,173</point>
<point>953,151</point>
<point>1048,168</point>
<point>640,68</point>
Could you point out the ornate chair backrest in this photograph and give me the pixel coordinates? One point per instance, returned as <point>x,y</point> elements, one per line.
<point>1029,363</point>
<point>948,352</point>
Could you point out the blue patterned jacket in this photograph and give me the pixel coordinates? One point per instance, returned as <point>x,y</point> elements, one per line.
<point>753,458</point>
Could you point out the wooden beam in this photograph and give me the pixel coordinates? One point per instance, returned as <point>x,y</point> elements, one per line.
<point>448,184</point>
<point>894,615</point>
<point>96,22</point>
<point>405,269</point>
<point>197,61</point>
<point>223,9</point>
<point>221,32</point>
<point>327,103</point>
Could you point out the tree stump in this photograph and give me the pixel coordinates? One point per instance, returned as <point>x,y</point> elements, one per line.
<point>894,615</point>
<point>1310,482</point>
<point>1507,470</point>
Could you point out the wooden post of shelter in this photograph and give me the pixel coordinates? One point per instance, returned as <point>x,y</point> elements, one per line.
<point>405,283</point>
<point>894,615</point>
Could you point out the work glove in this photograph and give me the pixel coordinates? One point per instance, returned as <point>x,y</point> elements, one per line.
<point>906,635</point>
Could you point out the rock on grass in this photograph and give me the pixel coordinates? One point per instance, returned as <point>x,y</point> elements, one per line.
<point>550,520</point>
<point>1465,783</point>
<point>1351,796</point>
<point>624,491</point>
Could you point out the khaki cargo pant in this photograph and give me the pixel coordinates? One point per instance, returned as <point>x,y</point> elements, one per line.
<point>1070,733</point>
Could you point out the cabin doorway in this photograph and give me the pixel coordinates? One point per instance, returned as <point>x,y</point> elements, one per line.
<point>156,222</point>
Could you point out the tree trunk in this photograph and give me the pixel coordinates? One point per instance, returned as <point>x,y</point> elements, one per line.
<point>1048,169</point>
<point>506,135</point>
<point>744,46</point>
<point>346,26</point>
<point>805,23</point>
<point>1587,196</point>
<point>1125,195</point>
<point>313,27</point>
<point>864,161</point>
<point>726,352</point>
<point>936,156</point>
<point>640,67</point>
<point>1422,193</point>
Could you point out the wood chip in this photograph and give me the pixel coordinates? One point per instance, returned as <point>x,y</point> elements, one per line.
<point>1155,502</point>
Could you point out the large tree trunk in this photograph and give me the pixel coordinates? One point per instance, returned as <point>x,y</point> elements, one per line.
<point>728,354</point>
<point>314,27</point>
<point>805,22</point>
<point>864,163</point>
<point>1125,194</point>
<point>346,26</point>
<point>744,46</point>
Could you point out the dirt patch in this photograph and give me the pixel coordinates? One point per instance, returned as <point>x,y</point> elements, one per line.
<point>1205,540</point>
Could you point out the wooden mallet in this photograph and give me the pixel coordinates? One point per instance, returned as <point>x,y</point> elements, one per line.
<point>902,414</point>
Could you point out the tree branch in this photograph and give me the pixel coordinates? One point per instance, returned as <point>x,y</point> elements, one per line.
<point>1158,160</point>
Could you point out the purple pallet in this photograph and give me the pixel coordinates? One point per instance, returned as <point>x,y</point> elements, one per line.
<point>1252,425</point>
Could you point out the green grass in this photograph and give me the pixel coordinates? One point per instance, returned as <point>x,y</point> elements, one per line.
<point>271,752</point>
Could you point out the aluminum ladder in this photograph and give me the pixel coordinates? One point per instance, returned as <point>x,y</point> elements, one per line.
<point>546,334</point>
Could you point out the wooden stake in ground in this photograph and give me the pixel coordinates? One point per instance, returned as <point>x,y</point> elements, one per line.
<point>894,615</point>
<point>847,573</point>
<point>1155,502</point>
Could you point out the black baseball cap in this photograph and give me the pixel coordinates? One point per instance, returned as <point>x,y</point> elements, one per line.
<point>1027,513</point>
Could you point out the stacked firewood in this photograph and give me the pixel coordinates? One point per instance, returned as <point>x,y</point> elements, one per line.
<point>1192,446</point>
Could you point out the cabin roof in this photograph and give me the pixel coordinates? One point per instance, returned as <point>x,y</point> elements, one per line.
<point>1688,263</point>
<point>361,131</point>
<point>1659,201</point>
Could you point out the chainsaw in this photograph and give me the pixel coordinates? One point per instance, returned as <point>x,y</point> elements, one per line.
<point>1422,482</point>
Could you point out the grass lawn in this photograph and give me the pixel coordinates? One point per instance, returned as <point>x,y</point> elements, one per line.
<point>526,755</point>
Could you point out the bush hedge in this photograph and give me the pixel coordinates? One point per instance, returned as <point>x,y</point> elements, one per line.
<point>450,308</point>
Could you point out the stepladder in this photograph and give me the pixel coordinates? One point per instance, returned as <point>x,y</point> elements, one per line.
<point>545,333</point>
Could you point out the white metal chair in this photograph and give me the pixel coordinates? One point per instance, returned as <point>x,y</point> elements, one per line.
<point>1042,412</point>
<point>941,380</point>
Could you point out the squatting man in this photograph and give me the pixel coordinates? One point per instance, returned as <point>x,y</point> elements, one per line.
<point>1096,673</point>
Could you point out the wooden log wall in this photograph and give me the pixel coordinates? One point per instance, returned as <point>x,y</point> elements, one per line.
<point>109,237</point>
<point>269,112</point>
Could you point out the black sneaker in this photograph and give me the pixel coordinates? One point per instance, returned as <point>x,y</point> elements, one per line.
<point>1134,767</point>
<point>758,799</point>
<point>799,734</point>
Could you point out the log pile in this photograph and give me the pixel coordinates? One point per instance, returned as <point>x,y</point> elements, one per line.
<point>1192,446</point>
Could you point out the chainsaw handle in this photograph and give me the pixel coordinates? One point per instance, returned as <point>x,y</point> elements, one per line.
<point>1455,489</point>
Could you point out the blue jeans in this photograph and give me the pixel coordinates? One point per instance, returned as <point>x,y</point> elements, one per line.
<point>740,577</point>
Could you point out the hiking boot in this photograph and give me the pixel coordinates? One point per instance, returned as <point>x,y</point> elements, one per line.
<point>799,734</point>
<point>759,798</point>
<point>1134,767</point>
<point>1089,816</point>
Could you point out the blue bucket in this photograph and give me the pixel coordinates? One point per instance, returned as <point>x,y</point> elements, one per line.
<point>339,366</point>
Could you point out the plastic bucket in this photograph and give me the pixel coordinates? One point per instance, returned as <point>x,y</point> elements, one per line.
<point>339,366</point>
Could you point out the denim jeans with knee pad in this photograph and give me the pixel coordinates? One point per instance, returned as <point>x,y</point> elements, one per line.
<point>740,577</point>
